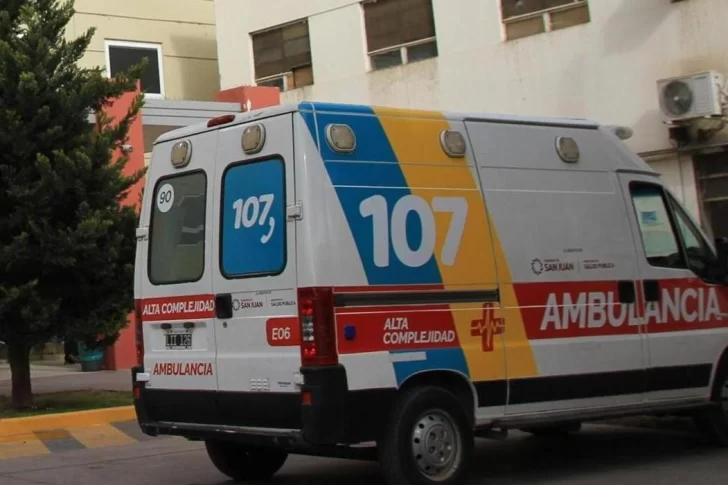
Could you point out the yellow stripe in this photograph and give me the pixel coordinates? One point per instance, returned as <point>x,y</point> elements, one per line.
<point>430,172</point>
<point>21,445</point>
<point>100,436</point>
<point>17,426</point>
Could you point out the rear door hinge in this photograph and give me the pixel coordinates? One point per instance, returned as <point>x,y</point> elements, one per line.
<point>142,233</point>
<point>294,212</point>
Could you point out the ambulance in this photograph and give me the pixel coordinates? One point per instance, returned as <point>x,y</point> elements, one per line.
<point>376,283</point>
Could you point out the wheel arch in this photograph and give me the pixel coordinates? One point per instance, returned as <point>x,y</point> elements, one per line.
<point>721,364</point>
<point>456,382</point>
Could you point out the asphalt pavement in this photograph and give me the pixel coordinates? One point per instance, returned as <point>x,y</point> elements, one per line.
<point>599,455</point>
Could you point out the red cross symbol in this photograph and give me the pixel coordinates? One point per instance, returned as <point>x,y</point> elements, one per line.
<point>487,327</point>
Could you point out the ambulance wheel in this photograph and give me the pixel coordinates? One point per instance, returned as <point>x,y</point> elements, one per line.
<point>713,422</point>
<point>242,463</point>
<point>428,439</point>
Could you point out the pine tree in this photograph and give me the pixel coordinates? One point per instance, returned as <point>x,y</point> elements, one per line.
<point>66,242</point>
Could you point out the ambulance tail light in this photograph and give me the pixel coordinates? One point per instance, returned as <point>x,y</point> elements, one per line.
<point>139,332</point>
<point>318,329</point>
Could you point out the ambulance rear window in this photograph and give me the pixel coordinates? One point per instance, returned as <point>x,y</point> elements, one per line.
<point>177,234</point>
<point>253,241</point>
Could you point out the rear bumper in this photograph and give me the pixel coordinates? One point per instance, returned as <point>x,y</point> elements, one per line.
<point>335,415</point>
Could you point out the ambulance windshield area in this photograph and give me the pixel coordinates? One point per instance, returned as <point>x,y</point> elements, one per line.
<point>177,234</point>
<point>669,237</point>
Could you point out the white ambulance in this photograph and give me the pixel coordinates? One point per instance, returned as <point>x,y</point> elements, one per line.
<point>350,281</point>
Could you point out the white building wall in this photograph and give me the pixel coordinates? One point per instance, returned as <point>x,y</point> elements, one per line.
<point>604,70</point>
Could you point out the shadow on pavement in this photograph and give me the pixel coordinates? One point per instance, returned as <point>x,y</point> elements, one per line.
<point>595,453</point>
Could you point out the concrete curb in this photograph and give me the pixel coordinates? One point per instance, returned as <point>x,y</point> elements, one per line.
<point>63,432</point>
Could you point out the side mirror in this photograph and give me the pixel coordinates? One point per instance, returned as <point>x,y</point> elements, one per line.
<point>721,246</point>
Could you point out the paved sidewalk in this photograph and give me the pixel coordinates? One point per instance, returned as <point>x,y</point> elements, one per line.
<point>57,433</point>
<point>58,378</point>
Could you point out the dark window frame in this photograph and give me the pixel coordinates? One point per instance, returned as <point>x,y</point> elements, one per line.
<point>110,44</point>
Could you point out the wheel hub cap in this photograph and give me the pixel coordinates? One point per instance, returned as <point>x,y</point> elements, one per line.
<point>435,445</point>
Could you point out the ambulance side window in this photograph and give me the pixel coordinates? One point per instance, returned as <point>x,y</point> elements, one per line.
<point>177,234</point>
<point>659,235</point>
<point>700,257</point>
<point>253,229</point>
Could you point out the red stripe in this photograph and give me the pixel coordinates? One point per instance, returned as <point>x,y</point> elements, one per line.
<point>392,308</point>
<point>389,288</point>
<point>397,330</point>
<point>188,307</point>
<point>587,309</point>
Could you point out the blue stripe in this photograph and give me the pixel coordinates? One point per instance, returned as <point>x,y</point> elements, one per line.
<point>372,146</point>
<point>437,359</point>
<point>363,174</point>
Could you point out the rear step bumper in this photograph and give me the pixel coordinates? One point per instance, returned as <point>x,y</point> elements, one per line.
<point>280,439</point>
<point>335,416</point>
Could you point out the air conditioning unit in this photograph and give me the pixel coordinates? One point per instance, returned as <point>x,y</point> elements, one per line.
<point>685,98</point>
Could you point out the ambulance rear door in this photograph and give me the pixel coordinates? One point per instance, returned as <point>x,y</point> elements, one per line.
<point>175,280</point>
<point>254,247</point>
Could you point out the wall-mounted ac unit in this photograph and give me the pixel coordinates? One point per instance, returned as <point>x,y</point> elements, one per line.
<point>685,98</point>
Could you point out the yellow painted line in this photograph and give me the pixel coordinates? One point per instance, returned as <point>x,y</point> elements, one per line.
<point>52,434</point>
<point>100,436</point>
<point>23,426</point>
<point>22,446</point>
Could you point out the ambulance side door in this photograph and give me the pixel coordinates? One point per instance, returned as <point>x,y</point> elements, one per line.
<point>567,269</point>
<point>681,308</point>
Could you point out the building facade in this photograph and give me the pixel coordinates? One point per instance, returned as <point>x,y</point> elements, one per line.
<point>597,59</point>
<point>177,37</point>
<point>181,83</point>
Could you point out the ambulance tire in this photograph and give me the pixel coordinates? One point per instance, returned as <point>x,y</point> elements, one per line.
<point>427,425</point>
<point>242,463</point>
<point>713,422</point>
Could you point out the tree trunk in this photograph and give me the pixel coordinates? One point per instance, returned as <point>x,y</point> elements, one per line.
<point>19,357</point>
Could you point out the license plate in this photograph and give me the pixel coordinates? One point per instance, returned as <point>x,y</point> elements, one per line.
<point>181,340</point>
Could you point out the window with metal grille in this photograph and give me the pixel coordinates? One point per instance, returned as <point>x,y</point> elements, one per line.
<point>282,56</point>
<point>399,31</point>
<point>523,18</point>
<point>711,173</point>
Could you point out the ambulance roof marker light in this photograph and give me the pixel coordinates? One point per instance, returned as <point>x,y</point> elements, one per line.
<point>623,132</point>
<point>181,154</point>
<point>220,120</point>
<point>453,143</point>
<point>341,138</point>
<point>253,139</point>
<point>568,149</point>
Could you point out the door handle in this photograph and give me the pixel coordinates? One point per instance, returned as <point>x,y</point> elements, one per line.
<point>652,290</point>
<point>627,292</point>
<point>224,306</point>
